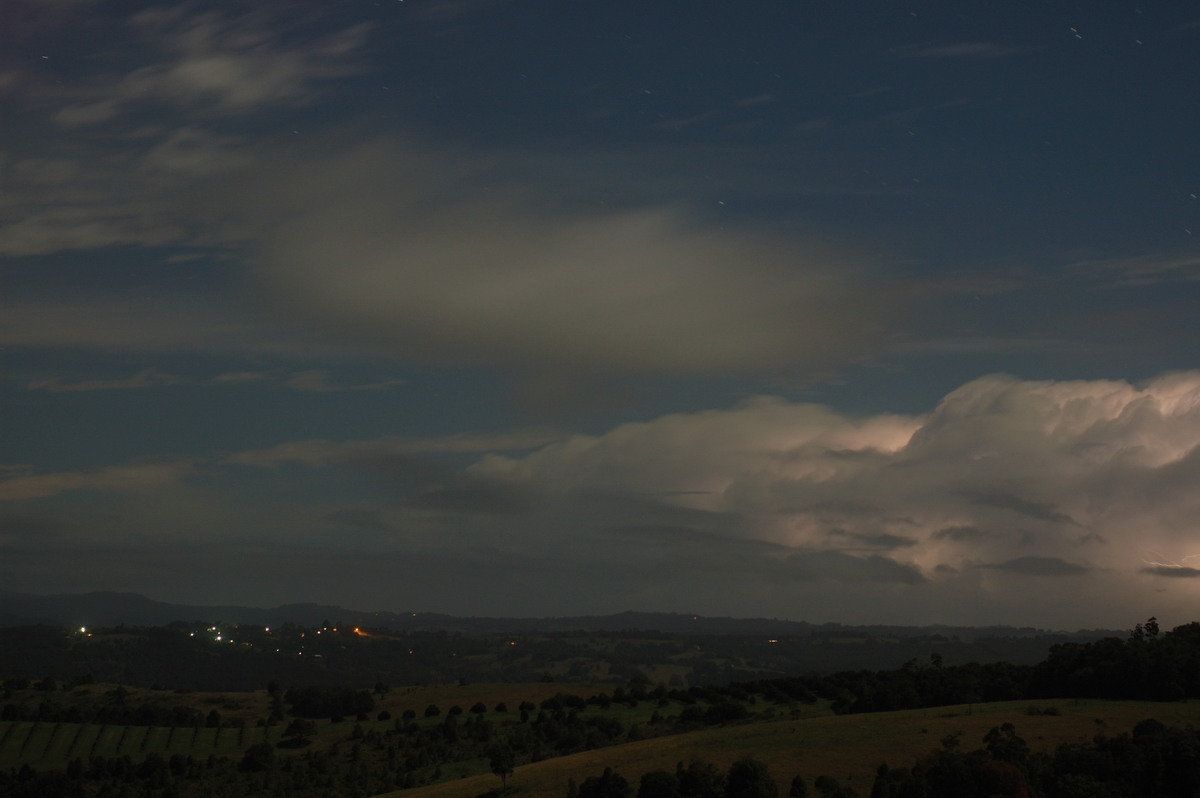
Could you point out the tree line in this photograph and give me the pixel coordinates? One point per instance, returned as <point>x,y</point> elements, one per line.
<point>1153,761</point>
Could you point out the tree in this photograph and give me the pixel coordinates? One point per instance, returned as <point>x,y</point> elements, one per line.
<point>298,730</point>
<point>798,789</point>
<point>502,761</point>
<point>749,778</point>
<point>658,784</point>
<point>275,692</point>
<point>1152,628</point>
<point>608,785</point>
<point>828,787</point>
<point>1005,746</point>
<point>700,780</point>
<point>258,757</point>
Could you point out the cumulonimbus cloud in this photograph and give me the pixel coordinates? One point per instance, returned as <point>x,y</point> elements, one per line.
<point>976,510</point>
<point>1005,479</point>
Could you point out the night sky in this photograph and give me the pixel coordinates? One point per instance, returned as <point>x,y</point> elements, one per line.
<point>857,312</point>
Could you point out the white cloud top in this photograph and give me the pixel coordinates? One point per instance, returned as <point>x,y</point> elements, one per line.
<point>973,512</point>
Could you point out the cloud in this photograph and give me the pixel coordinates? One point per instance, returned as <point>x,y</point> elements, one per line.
<point>21,530</point>
<point>1143,270</point>
<point>193,152</point>
<point>317,381</point>
<point>764,507</point>
<point>1042,511</point>
<point>433,255</point>
<point>218,64</point>
<point>118,478</point>
<point>241,377</point>
<point>836,566</point>
<point>121,180</point>
<point>959,533</point>
<point>1040,566</point>
<point>958,50</point>
<point>308,381</point>
<point>470,497</point>
<point>161,322</point>
<point>758,99</point>
<point>147,378</point>
<point>1174,571</point>
<point>1004,478</point>
<point>360,519</point>
<point>321,453</point>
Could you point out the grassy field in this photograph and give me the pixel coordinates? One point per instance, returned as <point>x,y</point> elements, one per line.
<point>848,747</point>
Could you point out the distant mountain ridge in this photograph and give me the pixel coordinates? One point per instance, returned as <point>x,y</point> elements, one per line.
<point>107,609</point>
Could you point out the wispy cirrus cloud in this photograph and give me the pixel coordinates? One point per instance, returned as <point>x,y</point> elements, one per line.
<point>957,50</point>
<point>307,381</point>
<point>147,378</point>
<point>318,381</point>
<point>123,182</point>
<point>218,64</point>
<point>1142,270</point>
<point>322,453</point>
<point>109,479</point>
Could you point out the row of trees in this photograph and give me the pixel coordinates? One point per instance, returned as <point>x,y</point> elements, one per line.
<point>1148,665</point>
<point>746,778</point>
<point>1153,762</point>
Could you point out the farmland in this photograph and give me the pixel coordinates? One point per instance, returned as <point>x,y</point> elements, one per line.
<point>443,738</point>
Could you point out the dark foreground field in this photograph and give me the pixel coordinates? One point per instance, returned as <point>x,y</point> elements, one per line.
<point>809,741</point>
<point>849,748</point>
<point>1115,711</point>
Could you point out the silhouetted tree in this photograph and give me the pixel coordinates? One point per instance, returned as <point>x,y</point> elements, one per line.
<point>502,761</point>
<point>608,785</point>
<point>749,778</point>
<point>658,784</point>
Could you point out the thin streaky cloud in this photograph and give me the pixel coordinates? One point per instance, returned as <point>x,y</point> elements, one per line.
<point>959,50</point>
<point>147,378</point>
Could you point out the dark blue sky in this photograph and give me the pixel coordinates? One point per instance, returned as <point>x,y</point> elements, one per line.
<point>874,312</point>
